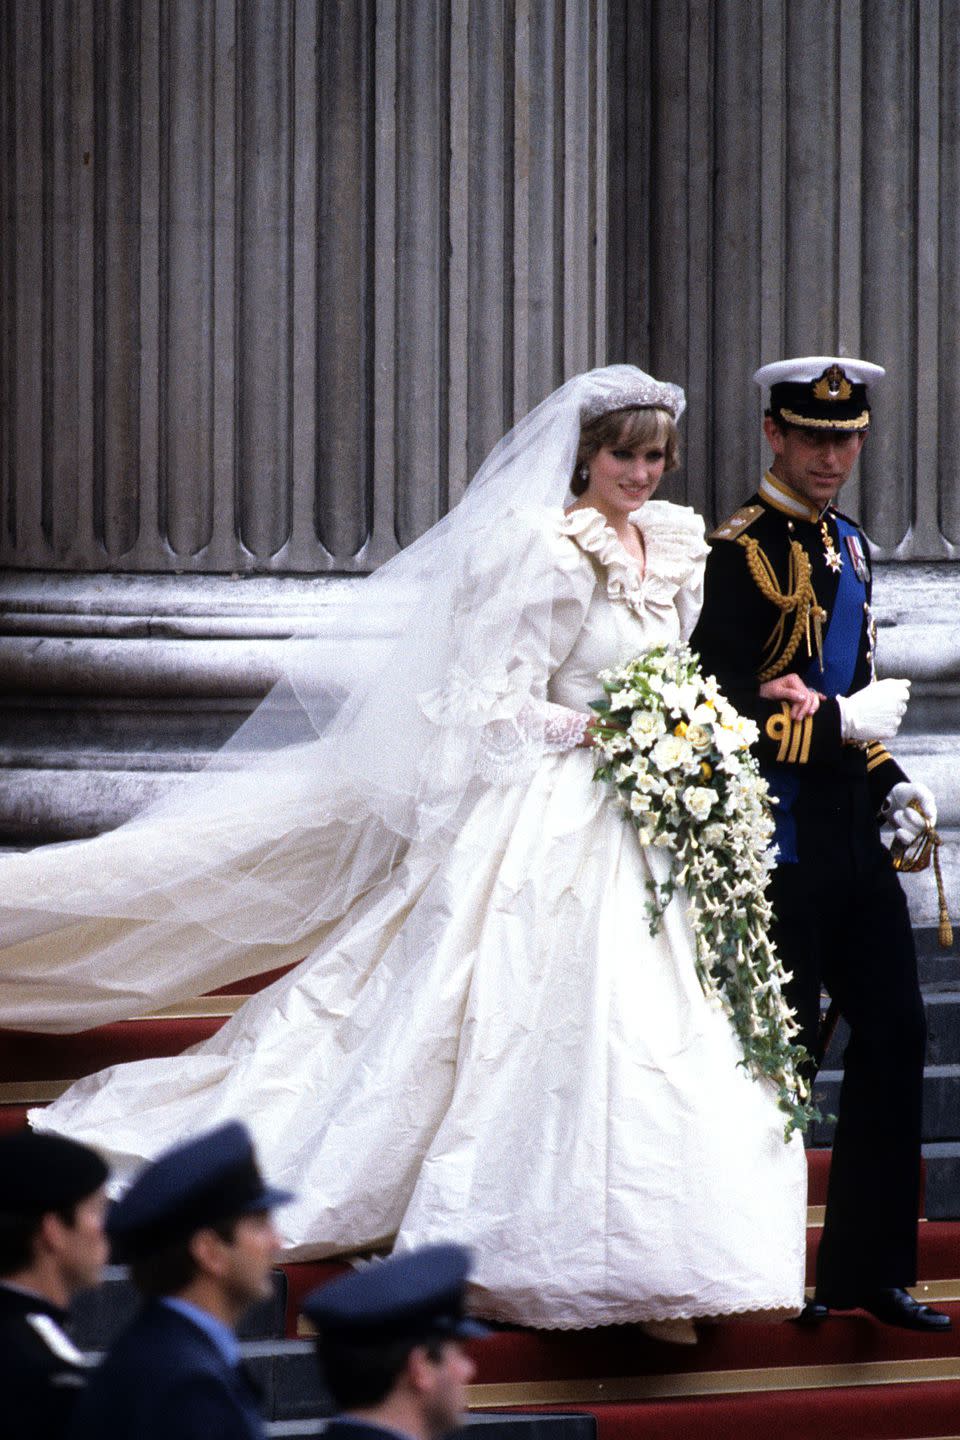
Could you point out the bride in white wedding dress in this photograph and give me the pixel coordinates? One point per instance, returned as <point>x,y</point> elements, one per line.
<point>484,1041</point>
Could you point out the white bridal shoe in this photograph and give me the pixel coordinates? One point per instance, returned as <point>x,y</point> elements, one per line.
<point>671,1332</point>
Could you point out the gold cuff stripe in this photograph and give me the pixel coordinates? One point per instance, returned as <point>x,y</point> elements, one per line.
<point>793,736</point>
<point>860,423</point>
<point>877,758</point>
<point>807,738</point>
<point>613,1389</point>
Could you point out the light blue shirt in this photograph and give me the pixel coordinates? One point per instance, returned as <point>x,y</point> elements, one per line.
<point>221,1335</point>
<point>349,1419</point>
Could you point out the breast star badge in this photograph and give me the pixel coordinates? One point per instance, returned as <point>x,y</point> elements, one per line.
<point>832,555</point>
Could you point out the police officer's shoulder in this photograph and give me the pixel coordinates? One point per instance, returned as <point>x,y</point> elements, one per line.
<point>735,525</point>
<point>54,1340</point>
<point>31,1335</point>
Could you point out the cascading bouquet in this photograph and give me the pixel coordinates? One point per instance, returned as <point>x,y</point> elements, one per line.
<point>677,756</point>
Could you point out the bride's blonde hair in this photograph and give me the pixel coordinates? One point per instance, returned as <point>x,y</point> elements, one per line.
<point>634,426</point>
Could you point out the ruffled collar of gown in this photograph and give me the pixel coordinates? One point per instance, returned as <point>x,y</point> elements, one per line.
<point>673,540</point>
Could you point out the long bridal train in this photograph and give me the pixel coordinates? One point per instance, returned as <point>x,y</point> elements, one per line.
<point>490,1045</point>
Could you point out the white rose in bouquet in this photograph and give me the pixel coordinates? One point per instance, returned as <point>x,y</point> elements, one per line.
<point>693,790</point>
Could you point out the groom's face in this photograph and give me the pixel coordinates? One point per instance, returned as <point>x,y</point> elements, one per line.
<point>814,463</point>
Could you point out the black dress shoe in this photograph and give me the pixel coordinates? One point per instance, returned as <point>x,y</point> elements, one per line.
<point>813,1313</point>
<point>896,1307</point>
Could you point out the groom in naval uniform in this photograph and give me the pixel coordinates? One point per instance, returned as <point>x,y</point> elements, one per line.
<point>787,630</point>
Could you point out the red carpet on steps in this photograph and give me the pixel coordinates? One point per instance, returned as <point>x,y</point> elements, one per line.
<point>849,1378</point>
<point>855,1413</point>
<point>24,1056</point>
<point>27,1056</point>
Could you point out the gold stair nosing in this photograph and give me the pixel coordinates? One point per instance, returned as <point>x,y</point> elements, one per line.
<point>611,1391</point>
<point>204,1007</point>
<point>31,1092</point>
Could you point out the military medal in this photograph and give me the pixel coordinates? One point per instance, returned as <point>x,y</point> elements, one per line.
<point>832,555</point>
<point>861,567</point>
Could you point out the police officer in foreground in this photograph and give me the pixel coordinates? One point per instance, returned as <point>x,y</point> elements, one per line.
<point>390,1345</point>
<point>787,630</point>
<point>196,1231</point>
<point>52,1246</point>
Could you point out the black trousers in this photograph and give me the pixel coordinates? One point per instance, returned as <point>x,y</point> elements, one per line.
<point>842,921</point>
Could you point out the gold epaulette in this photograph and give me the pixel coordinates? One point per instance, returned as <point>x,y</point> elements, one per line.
<point>737,523</point>
<point>793,736</point>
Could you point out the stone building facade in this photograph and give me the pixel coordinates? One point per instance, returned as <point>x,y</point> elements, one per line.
<point>275,274</point>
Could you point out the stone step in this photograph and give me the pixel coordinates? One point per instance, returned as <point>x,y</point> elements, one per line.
<point>938,966</point>
<point>943,1030</point>
<point>942,1187</point>
<point>287,1373</point>
<point>943,1027</point>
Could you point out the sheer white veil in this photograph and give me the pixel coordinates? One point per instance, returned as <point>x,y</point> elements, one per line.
<point>318,795</point>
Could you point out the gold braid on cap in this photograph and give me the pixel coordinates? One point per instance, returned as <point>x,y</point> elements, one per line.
<point>799,600</point>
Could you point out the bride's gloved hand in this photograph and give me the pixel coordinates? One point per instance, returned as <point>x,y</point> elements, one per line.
<point>875,712</point>
<point>909,807</point>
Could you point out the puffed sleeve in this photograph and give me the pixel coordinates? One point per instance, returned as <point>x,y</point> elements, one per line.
<point>497,688</point>
<point>676,556</point>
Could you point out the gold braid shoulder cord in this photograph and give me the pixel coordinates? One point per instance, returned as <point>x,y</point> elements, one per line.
<point>800,598</point>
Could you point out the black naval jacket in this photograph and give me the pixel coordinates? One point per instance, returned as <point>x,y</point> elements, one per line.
<point>41,1373</point>
<point>745,637</point>
<point>840,915</point>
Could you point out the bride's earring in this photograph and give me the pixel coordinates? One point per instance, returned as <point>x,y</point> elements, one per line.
<point>583,475</point>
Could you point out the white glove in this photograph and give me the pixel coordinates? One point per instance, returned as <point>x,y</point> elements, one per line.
<point>898,809</point>
<point>875,712</point>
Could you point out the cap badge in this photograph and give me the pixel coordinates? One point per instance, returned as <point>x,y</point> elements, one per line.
<point>832,385</point>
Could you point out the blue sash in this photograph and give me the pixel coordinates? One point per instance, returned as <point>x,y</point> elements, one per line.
<point>841,647</point>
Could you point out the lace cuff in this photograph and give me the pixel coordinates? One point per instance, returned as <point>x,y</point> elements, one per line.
<point>510,749</point>
<point>563,729</point>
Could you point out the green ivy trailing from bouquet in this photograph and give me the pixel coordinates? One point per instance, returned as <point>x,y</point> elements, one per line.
<point>677,756</point>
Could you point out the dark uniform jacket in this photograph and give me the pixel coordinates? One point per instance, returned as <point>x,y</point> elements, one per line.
<point>749,632</point>
<point>41,1373</point>
<point>165,1379</point>
<point>839,913</point>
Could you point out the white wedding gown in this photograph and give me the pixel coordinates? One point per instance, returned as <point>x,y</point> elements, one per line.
<point>490,1047</point>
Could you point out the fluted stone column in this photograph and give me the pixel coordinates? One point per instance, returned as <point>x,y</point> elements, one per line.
<point>276,274</point>
<point>785,182</point>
